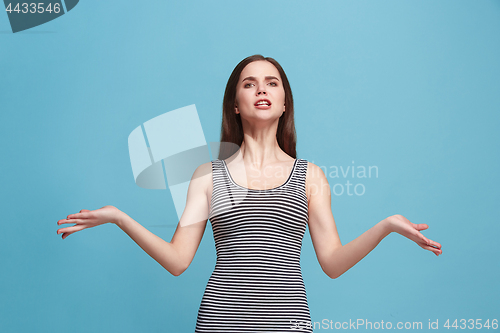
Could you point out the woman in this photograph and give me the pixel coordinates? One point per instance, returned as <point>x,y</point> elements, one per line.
<point>259,198</point>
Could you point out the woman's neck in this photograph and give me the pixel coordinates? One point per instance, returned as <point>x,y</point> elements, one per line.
<point>258,154</point>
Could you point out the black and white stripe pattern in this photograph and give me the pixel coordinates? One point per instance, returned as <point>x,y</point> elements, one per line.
<point>257,283</point>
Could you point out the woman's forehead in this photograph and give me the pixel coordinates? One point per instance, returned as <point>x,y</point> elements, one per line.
<point>259,68</point>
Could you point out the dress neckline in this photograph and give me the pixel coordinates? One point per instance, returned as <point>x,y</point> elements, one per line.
<point>256,190</point>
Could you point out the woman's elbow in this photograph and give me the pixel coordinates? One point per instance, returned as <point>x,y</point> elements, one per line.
<point>176,273</point>
<point>177,270</point>
<point>331,271</point>
<point>332,274</point>
<point>182,268</point>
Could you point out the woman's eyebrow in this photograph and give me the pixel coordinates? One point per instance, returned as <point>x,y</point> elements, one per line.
<point>252,78</point>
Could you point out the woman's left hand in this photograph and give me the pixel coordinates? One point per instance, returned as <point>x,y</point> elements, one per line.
<point>401,225</point>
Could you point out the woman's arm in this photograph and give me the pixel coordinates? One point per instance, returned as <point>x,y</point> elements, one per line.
<point>335,259</point>
<point>175,256</point>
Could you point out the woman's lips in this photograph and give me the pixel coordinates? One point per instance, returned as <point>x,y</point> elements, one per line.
<point>263,104</point>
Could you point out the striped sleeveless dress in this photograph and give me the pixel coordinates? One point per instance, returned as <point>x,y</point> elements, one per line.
<point>257,283</point>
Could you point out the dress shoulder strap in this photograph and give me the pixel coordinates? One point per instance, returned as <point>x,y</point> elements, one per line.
<point>301,168</point>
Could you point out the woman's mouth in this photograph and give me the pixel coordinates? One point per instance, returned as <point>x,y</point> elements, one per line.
<point>263,104</point>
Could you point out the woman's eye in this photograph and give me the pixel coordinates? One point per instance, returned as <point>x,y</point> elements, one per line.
<point>248,85</point>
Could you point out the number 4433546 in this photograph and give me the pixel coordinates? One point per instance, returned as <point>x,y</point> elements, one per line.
<point>471,324</point>
<point>34,8</point>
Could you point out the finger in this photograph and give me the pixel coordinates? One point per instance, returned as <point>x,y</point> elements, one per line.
<point>432,249</point>
<point>68,221</point>
<point>83,215</point>
<point>71,229</point>
<point>69,232</point>
<point>66,234</point>
<point>421,226</point>
<point>84,210</point>
<point>432,243</point>
<point>426,241</point>
<point>71,221</point>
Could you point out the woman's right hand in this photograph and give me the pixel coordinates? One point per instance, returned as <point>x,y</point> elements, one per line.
<point>88,219</point>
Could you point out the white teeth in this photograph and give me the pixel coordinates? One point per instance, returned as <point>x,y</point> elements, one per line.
<point>262,103</point>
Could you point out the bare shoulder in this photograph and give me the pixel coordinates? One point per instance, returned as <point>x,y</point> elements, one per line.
<point>314,172</point>
<point>316,181</point>
<point>203,170</point>
<point>202,177</point>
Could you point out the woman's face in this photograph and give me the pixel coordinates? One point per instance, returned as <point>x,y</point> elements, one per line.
<point>260,93</point>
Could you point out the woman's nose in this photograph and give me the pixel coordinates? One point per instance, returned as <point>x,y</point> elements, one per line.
<point>261,88</point>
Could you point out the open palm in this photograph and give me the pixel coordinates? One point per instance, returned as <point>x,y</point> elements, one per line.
<point>88,219</point>
<point>403,226</point>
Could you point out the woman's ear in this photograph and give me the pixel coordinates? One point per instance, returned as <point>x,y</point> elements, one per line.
<point>236,108</point>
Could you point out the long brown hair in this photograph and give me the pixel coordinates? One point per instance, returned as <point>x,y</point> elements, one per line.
<point>232,130</point>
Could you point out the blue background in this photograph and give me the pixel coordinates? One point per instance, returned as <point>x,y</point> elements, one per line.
<point>408,86</point>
